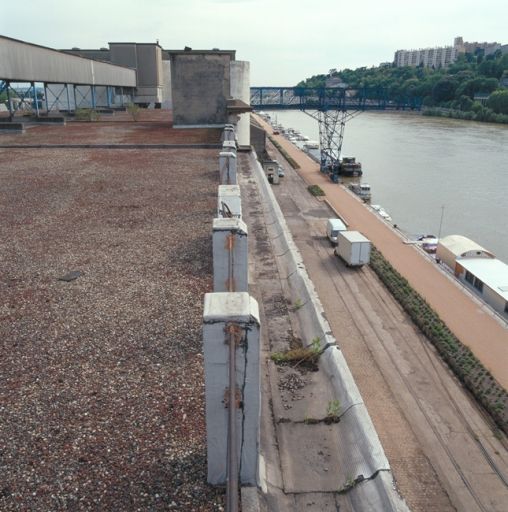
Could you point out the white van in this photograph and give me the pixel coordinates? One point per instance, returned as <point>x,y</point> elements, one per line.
<point>333,226</point>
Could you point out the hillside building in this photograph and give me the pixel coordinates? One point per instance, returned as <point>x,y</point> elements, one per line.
<point>443,56</point>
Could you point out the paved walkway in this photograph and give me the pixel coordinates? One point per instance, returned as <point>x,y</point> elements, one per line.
<point>471,323</point>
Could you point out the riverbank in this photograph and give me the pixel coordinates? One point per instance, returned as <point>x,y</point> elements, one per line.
<point>467,319</point>
<point>481,116</point>
<point>416,165</point>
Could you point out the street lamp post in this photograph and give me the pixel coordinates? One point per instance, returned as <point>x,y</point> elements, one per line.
<point>441,222</point>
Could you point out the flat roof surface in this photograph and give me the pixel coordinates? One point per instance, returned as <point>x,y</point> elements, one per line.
<point>491,271</point>
<point>354,236</point>
<point>153,127</point>
<point>102,385</point>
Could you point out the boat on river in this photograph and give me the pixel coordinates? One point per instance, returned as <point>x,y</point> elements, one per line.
<point>429,243</point>
<point>362,190</point>
<point>381,212</point>
<point>348,166</point>
<point>310,144</point>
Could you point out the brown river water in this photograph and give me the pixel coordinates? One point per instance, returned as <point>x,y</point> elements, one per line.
<point>423,170</point>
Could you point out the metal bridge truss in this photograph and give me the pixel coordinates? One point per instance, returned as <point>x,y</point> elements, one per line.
<point>25,94</point>
<point>331,133</point>
<point>332,108</point>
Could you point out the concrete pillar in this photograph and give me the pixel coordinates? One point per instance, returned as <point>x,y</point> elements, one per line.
<point>229,201</point>
<point>227,168</point>
<point>229,145</point>
<point>228,134</point>
<point>230,255</point>
<point>223,311</point>
<point>240,89</point>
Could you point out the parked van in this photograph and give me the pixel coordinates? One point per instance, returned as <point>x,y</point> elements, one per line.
<point>333,226</point>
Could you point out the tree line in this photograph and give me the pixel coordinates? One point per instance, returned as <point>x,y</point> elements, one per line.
<point>470,88</point>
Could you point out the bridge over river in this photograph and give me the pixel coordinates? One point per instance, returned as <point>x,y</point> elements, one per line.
<point>330,98</point>
<point>332,107</point>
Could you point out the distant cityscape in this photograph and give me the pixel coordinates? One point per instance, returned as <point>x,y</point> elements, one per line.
<point>440,57</point>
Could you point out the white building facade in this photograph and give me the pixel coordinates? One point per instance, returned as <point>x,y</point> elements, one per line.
<point>441,56</point>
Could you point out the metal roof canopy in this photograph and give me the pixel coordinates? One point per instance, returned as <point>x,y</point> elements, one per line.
<point>492,272</point>
<point>26,62</point>
<point>460,245</point>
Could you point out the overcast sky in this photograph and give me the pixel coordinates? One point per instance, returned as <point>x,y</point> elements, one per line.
<point>285,41</point>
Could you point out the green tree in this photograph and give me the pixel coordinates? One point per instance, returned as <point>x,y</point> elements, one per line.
<point>444,90</point>
<point>465,103</point>
<point>498,101</point>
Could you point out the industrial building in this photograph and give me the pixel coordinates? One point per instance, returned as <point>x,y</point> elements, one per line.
<point>203,88</point>
<point>477,268</point>
<point>67,81</point>
<point>440,57</point>
<point>150,63</point>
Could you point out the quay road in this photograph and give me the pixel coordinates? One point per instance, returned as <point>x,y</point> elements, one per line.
<point>442,450</point>
<point>474,325</point>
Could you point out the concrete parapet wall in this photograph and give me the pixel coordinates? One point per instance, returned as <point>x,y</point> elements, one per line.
<point>227,168</point>
<point>229,201</point>
<point>221,310</point>
<point>230,254</point>
<point>12,126</point>
<point>229,145</point>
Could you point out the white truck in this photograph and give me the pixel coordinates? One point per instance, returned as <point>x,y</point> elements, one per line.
<point>353,248</point>
<point>333,226</point>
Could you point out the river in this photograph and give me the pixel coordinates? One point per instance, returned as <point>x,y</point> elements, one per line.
<point>424,169</point>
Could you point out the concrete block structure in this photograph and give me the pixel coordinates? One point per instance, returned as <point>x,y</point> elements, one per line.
<point>258,139</point>
<point>210,89</point>
<point>240,89</point>
<point>200,84</point>
<point>229,202</point>
<point>222,310</point>
<point>229,145</point>
<point>230,256</point>
<point>227,168</point>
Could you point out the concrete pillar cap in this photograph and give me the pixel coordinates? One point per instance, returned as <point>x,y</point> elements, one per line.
<point>229,224</point>
<point>230,307</point>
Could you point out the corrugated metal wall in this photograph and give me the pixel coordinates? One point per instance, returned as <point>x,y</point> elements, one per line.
<point>24,62</point>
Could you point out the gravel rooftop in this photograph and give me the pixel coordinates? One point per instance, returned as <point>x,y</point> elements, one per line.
<point>101,377</point>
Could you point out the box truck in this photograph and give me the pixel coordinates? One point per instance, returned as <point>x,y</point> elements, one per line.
<point>353,248</point>
<point>333,226</point>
